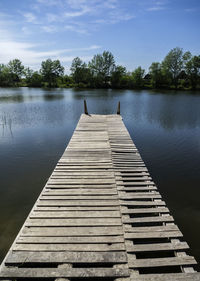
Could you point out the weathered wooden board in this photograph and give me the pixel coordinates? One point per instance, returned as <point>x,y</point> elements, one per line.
<point>75,214</point>
<point>63,273</point>
<point>167,277</point>
<point>73,222</point>
<point>158,247</point>
<point>69,247</point>
<point>66,257</point>
<point>72,231</point>
<point>157,262</point>
<point>152,234</point>
<point>65,239</point>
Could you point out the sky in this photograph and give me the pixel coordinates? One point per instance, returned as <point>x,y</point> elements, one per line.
<point>137,32</point>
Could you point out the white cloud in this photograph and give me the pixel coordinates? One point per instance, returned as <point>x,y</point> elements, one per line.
<point>157,6</point>
<point>52,17</point>
<point>30,17</point>
<point>76,14</point>
<point>71,13</point>
<point>30,56</point>
<point>48,2</point>
<point>33,58</point>
<point>26,30</point>
<point>116,16</point>
<point>190,10</point>
<point>111,4</point>
<point>49,28</point>
<point>70,58</point>
<point>76,29</point>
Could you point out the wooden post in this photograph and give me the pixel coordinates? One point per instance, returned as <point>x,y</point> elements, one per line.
<point>118,109</point>
<point>85,107</point>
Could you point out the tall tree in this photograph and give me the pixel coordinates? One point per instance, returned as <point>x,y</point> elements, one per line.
<point>16,69</point>
<point>192,69</point>
<point>6,78</point>
<point>117,76</point>
<point>28,74</point>
<point>79,71</point>
<point>137,77</point>
<point>50,71</point>
<point>155,72</point>
<point>173,64</point>
<point>102,66</point>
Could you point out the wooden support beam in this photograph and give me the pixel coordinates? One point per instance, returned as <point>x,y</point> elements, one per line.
<point>118,108</point>
<point>85,108</point>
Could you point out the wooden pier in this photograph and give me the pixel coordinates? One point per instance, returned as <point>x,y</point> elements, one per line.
<point>100,217</point>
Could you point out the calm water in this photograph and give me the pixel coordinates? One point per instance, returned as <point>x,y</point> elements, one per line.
<point>35,127</point>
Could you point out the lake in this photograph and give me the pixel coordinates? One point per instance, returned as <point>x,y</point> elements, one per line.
<point>36,125</point>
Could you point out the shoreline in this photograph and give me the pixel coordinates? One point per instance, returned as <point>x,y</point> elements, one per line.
<point>87,88</point>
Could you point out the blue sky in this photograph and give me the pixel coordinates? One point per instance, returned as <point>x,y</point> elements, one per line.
<point>136,32</point>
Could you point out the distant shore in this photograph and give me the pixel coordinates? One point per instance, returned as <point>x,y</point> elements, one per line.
<point>77,87</point>
<point>178,71</point>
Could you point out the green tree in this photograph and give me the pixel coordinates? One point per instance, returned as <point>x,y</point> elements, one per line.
<point>137,77</point>
<point>192,69</point>
<point>28,75</point>
<point>117,77</point>
<point>68,80</point>
<point>187,56</point>
<point>155,72</point>
<point>101,67</point>
<point>79,71</point>
<point>6,78</point>
<point>50,71</point>
<point>173,64</point>
<point>36,80</point>
<point>16,69</point>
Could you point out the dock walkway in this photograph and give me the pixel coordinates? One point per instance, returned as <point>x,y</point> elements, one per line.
<point>100,217</point>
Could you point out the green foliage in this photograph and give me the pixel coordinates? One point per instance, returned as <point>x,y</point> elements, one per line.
<point>50,71</point>
<point>137,77</point>
<point>5,76</point>
<point>178,70</point>
<point>117,77</point>
<point>173,64</point>
<point>36,80</point>
<point>11,73</point>
<point>101,67</point>
<point>156,75</point>
<point>16,69</point>
<point>80,72</point>
<point>192,68</point>
<point>28,74</point>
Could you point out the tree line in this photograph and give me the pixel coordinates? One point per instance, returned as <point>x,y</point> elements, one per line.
<point>178,70</point>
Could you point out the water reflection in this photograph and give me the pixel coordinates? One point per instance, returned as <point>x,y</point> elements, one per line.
<point>13,98</point>
<point>6,125</point>
<point>168,110</point>
<point>51,97</point>
<point>174,111</point>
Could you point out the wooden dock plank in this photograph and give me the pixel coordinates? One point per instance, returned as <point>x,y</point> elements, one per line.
<point>63,273</point>
<point>157,262</point>
<point>157,247</point>
<point>72,231</point>
<point>75,214</point>
<point>168,277</point>
<point>66,257</point>
<point>69,247</point>
<point>73,222</point>
<point>77,239</point>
